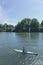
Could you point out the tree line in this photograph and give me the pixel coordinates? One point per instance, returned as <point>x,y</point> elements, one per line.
<point>6,28</point>
<point>25,25</point>
<point>29,25</point>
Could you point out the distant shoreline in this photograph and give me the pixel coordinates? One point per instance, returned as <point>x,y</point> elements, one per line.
<point>26,25</point>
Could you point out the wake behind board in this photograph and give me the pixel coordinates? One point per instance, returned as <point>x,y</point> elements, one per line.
<point>32,53</point>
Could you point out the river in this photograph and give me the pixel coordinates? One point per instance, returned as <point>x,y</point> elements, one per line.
<point>9,41</point>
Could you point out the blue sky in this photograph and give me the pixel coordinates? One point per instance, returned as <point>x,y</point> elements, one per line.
<point>13,11</point>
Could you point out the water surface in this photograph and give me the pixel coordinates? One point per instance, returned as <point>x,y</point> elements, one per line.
<point>9,41</point>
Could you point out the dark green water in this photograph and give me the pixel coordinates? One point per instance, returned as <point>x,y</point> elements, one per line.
<point>9,41</point>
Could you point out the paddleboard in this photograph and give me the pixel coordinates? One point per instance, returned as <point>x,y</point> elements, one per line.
<point>25,52</point>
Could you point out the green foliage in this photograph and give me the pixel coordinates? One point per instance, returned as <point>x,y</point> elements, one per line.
<point>6,28</point>
<point>42,23</point>
<point>34,23</point>
<point>23,25</point>
<point>27,23</point>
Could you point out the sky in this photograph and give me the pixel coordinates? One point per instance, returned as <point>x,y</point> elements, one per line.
<point>13,11</point>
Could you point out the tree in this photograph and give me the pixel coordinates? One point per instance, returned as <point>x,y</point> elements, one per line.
<point>42,23</point>
<point>8,28</point>
<point>34,24</point>
<point>1,25</point>
<point>23,25</point>
<point>41,26</point>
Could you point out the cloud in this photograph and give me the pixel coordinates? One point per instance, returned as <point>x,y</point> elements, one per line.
<point>3,2</point>
<point>6,14</point>
<point>2,14</point>
<point>11,11</point>
<point>4,17</point>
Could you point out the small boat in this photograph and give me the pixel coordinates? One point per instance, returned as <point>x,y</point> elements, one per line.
<point>22,51</point>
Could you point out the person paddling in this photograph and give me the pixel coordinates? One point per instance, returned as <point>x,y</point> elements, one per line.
<point>23,50</point>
